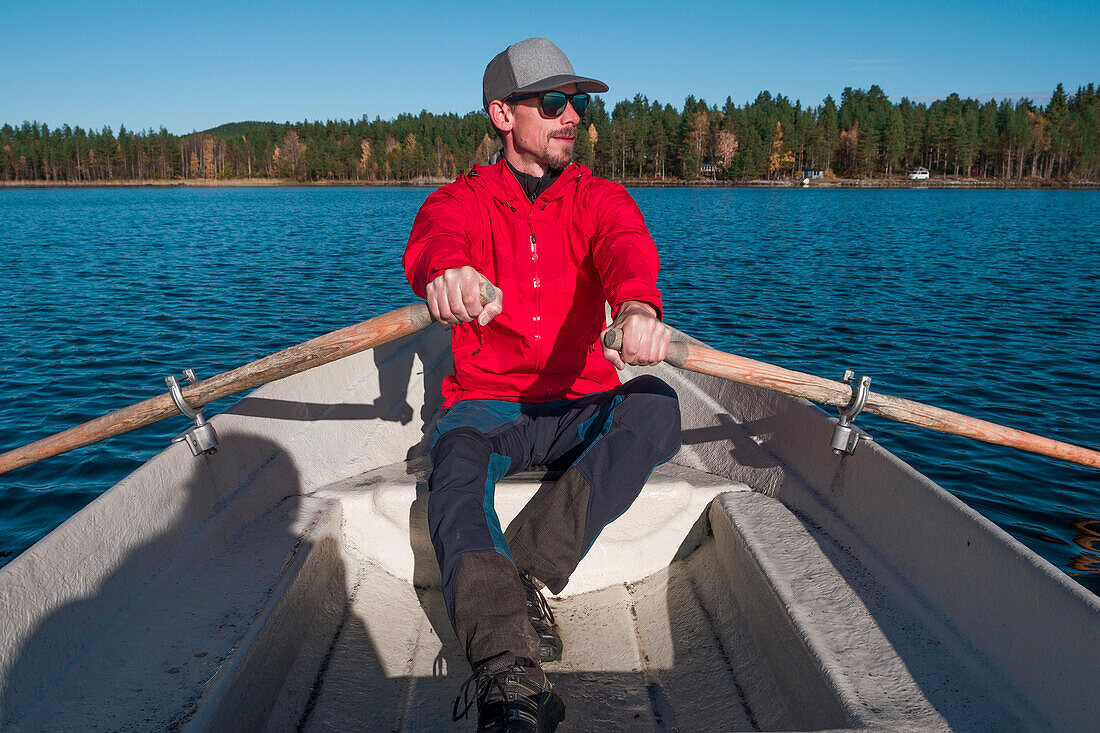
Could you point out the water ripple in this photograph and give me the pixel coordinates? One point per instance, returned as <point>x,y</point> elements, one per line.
<point>983,302</point>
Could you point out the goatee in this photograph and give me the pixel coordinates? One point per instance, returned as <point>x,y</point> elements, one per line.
<point>559,155</point>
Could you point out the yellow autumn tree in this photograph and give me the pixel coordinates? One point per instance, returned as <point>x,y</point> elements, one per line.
<point>288,156</point>
<point>485,149</point>
<point>725,147</point>
<point>585,151</point>
<point>700,128</point>
<point>409,164</point>
<point>208,160</point>
<point>362,166</point>
<point>1039,126</point>
<point>781,159</point>
<point>847,148</point>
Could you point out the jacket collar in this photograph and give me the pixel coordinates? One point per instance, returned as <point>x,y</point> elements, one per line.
<point>498,180</point>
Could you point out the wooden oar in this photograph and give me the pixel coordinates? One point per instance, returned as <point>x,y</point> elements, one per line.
<point>321,350</point>
<point>706,360</point>
<point>413,318</point>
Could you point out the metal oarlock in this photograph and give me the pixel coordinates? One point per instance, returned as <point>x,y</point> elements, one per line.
<point>845,434</point>
<point>200,437</point>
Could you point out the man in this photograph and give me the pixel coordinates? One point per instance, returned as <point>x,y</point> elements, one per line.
<point>532,385</point>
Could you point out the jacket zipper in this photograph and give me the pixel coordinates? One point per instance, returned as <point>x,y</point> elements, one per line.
<point>536,284</point>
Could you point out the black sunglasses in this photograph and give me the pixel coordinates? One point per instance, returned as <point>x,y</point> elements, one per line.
<point>553,103</point>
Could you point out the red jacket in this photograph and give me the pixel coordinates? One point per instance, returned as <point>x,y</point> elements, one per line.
<point>582,241</point>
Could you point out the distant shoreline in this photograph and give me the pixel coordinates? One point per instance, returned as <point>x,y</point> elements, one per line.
<point>864,183</point>
<point>871,183</point>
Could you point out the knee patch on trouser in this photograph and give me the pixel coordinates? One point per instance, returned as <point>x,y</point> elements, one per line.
<point>551,544</point>
<point>638,429</point>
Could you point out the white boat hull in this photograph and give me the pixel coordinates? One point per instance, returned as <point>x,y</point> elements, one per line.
<point>760,582</point>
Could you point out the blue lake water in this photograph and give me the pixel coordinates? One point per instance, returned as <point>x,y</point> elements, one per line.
<point>984,302</point>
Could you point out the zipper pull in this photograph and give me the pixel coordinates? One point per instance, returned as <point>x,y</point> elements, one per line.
<point>480,338</point>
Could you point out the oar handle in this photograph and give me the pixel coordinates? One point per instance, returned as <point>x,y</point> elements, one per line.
<point>705,360</point>
<point>488,292</point>
<point>613,339</point>
<point>324,349</point>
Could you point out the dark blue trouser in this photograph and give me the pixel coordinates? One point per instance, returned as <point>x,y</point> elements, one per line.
<point>608,443</point>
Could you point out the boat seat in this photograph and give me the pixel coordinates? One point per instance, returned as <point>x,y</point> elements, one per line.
<point>385,522</point>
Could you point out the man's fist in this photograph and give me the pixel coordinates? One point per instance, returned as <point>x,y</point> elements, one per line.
<point>645,337</point>
<point>455,297</point>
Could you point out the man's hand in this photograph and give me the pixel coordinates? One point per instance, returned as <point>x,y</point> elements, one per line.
<point>645,337</point>
<point>455,297</point>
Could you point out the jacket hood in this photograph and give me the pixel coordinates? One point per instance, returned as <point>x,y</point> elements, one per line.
<point>497,179</point>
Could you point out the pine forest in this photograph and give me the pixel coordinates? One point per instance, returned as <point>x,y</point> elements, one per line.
<point>864,136</point>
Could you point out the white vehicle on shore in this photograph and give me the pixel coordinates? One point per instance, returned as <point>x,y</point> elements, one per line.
<point>918,174</point>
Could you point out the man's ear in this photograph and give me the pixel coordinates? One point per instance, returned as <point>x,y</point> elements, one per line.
<point>501,115</point>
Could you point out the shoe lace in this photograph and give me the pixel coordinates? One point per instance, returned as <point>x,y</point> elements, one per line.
<point>484,680</point>
<point>537,600</point>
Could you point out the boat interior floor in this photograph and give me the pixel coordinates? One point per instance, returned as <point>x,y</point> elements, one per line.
<point>706,607</point>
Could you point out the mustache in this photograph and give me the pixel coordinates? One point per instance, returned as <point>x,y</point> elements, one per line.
<point>568,133</point>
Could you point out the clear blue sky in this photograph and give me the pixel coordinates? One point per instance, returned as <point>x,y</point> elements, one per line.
<point>193,65</point>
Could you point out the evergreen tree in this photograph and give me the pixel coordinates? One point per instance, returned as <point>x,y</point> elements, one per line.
<point>865,135</point>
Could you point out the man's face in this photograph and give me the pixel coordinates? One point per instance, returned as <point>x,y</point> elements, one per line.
<point>539,138</point>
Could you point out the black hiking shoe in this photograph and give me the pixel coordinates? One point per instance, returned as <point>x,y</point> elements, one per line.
<point>512,696</point>
<point>542,619</point>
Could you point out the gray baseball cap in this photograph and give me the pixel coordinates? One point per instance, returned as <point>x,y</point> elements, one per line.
<point>534,65</point>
